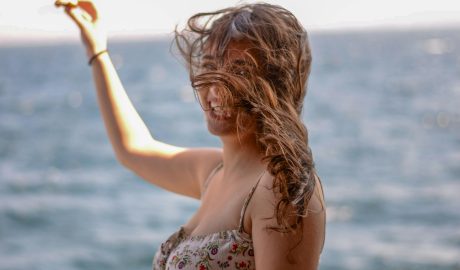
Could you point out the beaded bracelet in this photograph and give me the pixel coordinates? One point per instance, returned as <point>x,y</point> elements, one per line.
<point>95,56</point>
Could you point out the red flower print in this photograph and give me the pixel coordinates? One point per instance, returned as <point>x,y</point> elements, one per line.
<point>234,247</point>
<point>242,264</point>
<point>202,267</point>
<point>229,258</point>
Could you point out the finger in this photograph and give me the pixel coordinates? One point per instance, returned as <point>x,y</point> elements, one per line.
<point>72,3</point>
<point>90,8</point>
<point>76,16</point>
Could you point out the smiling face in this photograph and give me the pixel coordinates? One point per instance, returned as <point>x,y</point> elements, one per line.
<point>223,84</point>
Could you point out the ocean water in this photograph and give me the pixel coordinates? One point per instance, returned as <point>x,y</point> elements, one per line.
<point>384,122</point>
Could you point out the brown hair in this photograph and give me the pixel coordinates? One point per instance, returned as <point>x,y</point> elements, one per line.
<point>270,86</point>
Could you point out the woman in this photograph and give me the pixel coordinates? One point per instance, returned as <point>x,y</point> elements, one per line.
<point>262,202</point>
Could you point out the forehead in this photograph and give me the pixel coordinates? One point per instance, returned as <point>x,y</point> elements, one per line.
<point>235,50</point>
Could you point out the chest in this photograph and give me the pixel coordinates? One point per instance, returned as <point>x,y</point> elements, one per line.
<point>220,210</point>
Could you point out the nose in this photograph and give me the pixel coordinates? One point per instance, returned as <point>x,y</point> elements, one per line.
<point>213,97</point>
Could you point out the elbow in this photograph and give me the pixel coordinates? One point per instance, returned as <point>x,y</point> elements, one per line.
<point>130,157</point>
<point>123,158</point>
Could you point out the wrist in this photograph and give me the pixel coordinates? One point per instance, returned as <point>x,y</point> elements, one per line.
<point>96,55</point>
<point>90,51</point>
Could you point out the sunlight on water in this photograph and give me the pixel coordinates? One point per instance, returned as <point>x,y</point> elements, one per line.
<point>384,124</point>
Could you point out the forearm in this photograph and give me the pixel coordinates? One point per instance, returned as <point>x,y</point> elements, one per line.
<point>124,126</point>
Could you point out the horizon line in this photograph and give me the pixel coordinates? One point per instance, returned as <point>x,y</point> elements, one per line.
<point>45,38</point>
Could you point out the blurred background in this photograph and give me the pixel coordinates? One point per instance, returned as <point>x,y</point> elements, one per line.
<point>382,111</point>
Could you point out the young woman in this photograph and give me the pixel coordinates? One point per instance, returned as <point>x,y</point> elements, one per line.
<point>262,203</point>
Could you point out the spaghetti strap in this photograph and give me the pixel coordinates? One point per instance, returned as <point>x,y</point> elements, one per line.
<point>213,172</point>
<point>246,203</point>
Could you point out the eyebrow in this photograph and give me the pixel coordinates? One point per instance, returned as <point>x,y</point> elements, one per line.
<point>240,62</point>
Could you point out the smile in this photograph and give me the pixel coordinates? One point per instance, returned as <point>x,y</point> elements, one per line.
<point>218,113</point>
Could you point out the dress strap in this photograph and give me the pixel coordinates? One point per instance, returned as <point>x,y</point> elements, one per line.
<point>213,172</point>
<point>246,202</point>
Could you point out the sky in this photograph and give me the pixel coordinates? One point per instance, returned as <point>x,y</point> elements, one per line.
<point>39,20</point>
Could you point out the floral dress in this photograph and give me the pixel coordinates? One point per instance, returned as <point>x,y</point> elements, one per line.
<point>230,249</point>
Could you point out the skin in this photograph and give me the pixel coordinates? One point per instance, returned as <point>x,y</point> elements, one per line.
<point>183,170</point>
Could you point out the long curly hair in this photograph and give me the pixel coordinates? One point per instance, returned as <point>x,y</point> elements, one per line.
<point>269,86</point>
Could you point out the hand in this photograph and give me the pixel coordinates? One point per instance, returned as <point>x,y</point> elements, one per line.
<point>85,14</point>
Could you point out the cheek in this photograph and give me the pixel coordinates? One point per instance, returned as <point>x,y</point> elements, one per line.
<point>246,123</point>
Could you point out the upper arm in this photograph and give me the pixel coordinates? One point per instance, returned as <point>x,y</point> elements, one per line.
<point>274,250</point>
<point>177,169</point>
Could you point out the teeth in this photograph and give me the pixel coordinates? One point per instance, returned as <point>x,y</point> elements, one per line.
<point>219,111</point>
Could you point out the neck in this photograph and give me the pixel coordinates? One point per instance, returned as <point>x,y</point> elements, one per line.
<point>241,157</point>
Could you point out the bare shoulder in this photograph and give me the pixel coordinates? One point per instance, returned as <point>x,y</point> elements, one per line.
<point>275,250</point>
<point>265,199</point>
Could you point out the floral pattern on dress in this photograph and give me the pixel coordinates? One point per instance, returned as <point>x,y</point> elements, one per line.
<point>182,261</point>
<point>223,250</point>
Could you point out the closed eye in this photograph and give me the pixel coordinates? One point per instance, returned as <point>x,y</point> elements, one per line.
<point>240,71</point>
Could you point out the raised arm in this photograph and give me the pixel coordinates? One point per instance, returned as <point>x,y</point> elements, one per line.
<point>180,170</point>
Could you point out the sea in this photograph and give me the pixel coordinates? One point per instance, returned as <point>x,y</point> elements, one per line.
<point>383,114</point>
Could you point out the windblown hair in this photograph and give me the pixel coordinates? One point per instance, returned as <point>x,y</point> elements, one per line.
<point>269,86</point>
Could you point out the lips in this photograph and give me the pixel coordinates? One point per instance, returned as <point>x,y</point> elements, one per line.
<point>220,114</point>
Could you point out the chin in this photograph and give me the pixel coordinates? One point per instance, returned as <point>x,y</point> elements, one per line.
<point>220,126</point>
<point>221,131</point>
<point>224,127</point>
